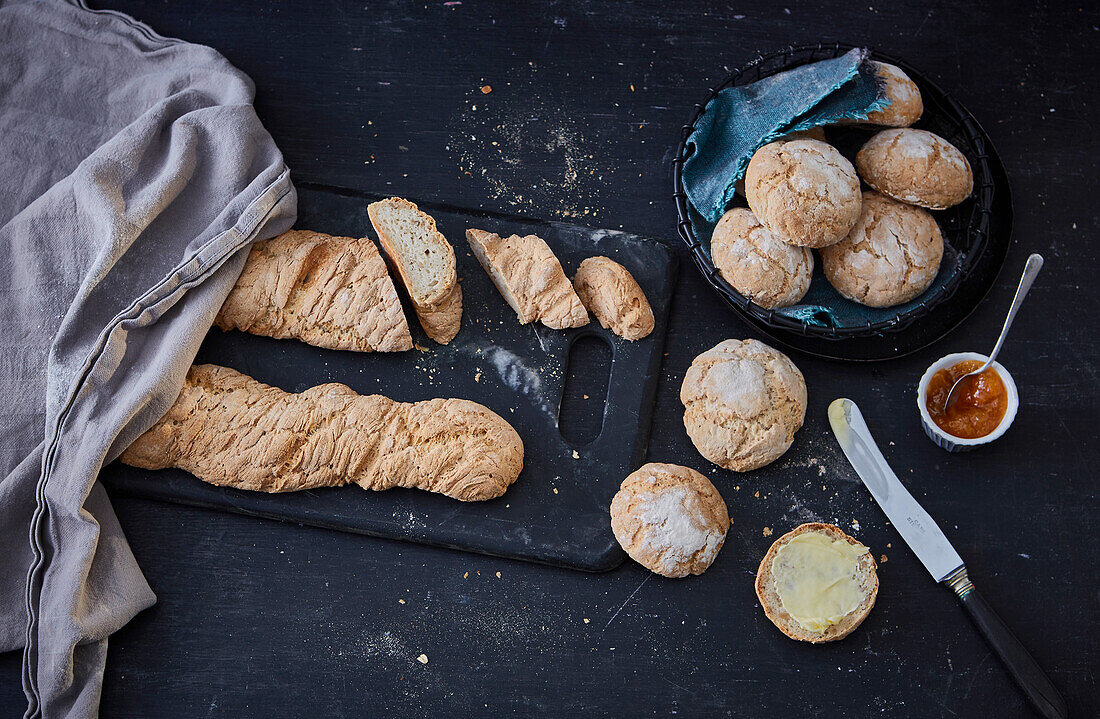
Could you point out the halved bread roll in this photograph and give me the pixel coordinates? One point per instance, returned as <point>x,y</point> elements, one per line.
<point>424,261</point>
<point>530,278</point>
<point>816,583</point>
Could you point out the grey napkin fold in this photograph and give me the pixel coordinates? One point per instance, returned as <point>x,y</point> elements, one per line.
<point>133,170</point>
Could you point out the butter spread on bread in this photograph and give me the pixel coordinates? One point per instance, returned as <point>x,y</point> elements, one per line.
<point>815,577</point>
<point>817,584</point>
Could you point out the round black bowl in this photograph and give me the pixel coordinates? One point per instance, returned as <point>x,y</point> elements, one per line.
<point>967,227</point>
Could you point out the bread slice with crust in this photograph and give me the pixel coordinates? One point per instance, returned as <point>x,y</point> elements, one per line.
<point>425,263</point>
<point>530,278</point>
<point>332,292</point>
<point>766,591</point>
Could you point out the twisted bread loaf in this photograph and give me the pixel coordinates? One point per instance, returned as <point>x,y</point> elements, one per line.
<point>328,291</point>
<point>230,430</point>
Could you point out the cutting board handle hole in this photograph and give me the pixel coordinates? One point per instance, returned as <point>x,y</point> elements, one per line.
<point>588,372</point>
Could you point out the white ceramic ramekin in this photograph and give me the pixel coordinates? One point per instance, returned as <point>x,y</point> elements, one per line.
<point>948,441</point>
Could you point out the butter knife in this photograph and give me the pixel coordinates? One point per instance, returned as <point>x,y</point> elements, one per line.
<point>937,555</point>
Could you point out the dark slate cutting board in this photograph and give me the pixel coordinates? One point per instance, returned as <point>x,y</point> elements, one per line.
<point>557,511</point>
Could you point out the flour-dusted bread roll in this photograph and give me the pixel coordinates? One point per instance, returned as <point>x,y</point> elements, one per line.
<point>424,261</point>
<point>328,291</point>
<point>743,402</point>
<point>610,292</point>
<point>891,256</point>
<point>906,105</point>
<point>804,191</point>
<point>917,167</point>
<point>817,584</point>
<point>530,278</point>
<point>230,430</point>
<point>670,519</point>
<point>814,133</point>
<point>769,272</point>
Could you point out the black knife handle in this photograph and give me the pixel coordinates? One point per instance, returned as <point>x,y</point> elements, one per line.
<point>1019,663</point>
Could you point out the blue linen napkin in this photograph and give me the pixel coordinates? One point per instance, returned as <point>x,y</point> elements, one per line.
<point>739,120</point>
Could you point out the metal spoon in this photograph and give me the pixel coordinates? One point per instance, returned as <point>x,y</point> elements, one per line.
<point>1031,269</point>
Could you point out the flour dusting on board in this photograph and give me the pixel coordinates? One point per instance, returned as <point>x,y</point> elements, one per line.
<point>496,139</point>
<point>517,374</point>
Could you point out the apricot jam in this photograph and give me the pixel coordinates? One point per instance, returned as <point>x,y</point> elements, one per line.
<point>977,406</point>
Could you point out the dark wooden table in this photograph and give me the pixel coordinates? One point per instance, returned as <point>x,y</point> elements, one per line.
<point>258,618</point>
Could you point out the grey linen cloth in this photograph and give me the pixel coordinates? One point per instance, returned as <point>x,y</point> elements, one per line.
<point>133,170</point>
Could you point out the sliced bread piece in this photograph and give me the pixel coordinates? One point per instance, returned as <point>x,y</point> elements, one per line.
<point>530,278</point>
<point>328,291</point>
<point>442,322</point>
<point>816,583</point>
<point>424,261</point>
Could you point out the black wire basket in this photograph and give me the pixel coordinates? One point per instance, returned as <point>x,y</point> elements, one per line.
<point>965,227</point>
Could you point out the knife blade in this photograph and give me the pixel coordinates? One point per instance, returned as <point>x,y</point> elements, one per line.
<point>937,555</point>
<point>916,527</point>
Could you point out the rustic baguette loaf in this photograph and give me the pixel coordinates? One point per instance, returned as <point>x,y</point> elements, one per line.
<point>424,261</point>
<point>328,291</point>
<point>528,274</point>
<point>230,430</point>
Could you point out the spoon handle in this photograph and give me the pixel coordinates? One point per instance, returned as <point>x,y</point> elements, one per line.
<point>1031,269</point>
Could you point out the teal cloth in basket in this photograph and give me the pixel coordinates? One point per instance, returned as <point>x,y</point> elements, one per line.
<point>739,120</point>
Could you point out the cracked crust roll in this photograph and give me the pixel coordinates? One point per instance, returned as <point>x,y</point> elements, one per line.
<point>670,519</point>
<point>804,191</point>
<point>916,167</point>
<point>890,257</point>
<point>769,272</point>
<point>743,402</point>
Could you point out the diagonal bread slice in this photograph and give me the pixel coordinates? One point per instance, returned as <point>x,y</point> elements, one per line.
<point>424,261</point>
<point>530,278</point>
<point>233,431</point>
<point>332,292</point>
<point>865,574</point>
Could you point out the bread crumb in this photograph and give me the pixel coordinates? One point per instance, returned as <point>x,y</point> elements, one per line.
<point>632,87</point>
<point>585,396</point>
<point>400,601</point>
<point>486,89</point>
<point>757,495</point>
<point>575,455</point>
<point>555,490</point>
<point>423,659</point>
<point>498,575</point>
<point>767,531</point>
<point>882,559</point>
<point>466,575</point>
<point>586,620</point>
<point>477,377</point>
